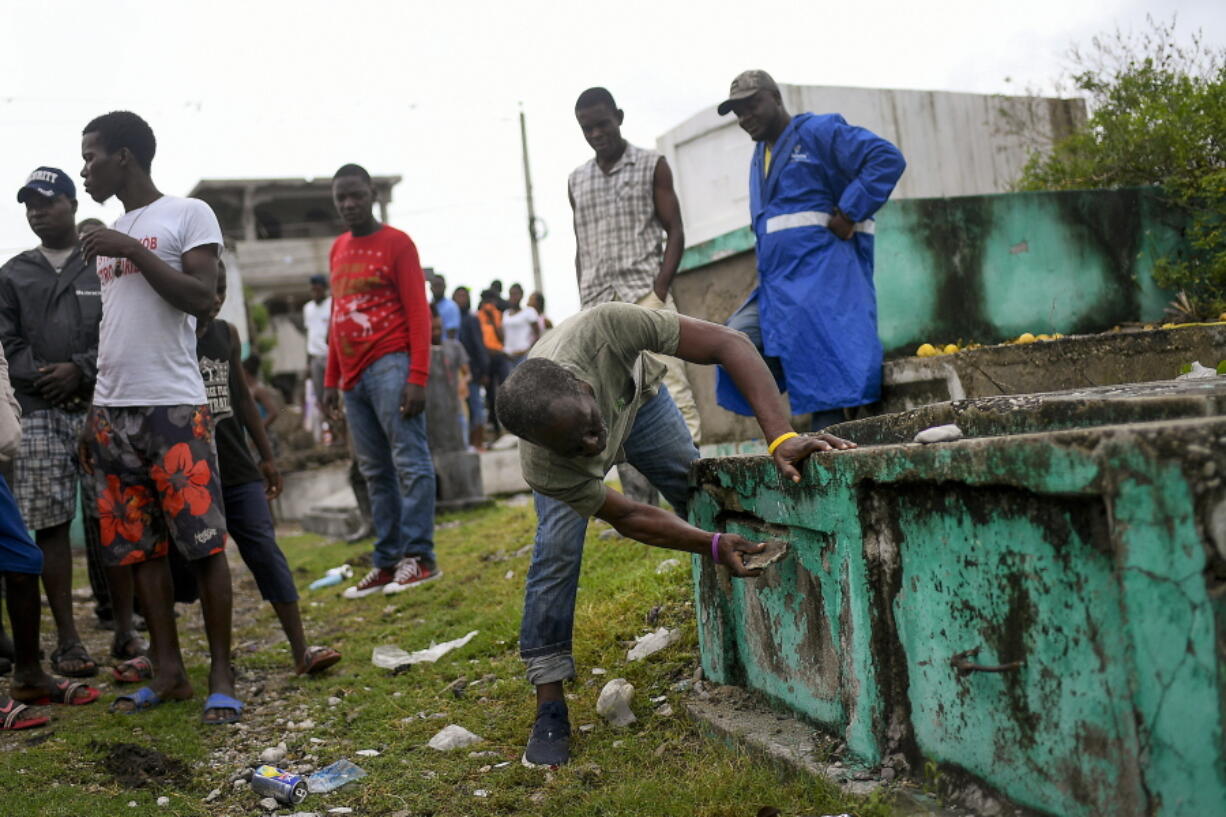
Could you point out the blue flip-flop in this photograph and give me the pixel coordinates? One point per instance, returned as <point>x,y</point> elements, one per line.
<point>219,701</point>
<point>142,700</point>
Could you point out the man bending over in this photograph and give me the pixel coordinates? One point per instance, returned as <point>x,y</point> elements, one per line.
<point>589,393</point>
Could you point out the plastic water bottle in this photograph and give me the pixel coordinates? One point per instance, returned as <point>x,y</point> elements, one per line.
<point>333,777</point>
<point>335,575</point>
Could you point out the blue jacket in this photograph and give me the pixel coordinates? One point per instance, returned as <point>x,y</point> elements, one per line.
<point>815,291</point>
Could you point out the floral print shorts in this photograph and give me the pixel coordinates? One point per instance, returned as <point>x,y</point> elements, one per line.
<point>155,469</point>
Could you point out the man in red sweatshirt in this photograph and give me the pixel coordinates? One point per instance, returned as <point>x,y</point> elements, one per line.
<point>379,358</point>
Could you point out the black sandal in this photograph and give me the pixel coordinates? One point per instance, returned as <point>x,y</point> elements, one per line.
<point>74,652</point>
<point>122,649</point>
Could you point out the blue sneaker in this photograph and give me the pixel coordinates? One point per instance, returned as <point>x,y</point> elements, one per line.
<point>550,741</point>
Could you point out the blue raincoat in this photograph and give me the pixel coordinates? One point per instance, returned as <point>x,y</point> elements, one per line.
<point>815,291</point>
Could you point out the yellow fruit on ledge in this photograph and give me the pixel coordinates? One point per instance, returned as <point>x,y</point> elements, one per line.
<point>926,350</point>
<point>1025,337</point>
<point>951,348</point>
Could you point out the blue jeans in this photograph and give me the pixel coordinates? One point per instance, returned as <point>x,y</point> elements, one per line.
<point>661,448</point>
<point>394,458</point>
<point>748,320</point>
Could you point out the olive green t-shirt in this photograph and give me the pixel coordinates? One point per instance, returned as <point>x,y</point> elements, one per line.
<point>602,346</point>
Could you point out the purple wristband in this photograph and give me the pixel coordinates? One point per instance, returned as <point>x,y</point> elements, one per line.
<point>715,548</point>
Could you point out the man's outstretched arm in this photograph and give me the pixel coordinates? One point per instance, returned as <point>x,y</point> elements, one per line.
<point>656,526</point>
<point>707,343</point>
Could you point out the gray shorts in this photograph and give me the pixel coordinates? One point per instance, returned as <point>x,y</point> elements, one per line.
<point>47,468</point>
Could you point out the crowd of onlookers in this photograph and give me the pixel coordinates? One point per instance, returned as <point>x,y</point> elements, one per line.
<point>121,379</point>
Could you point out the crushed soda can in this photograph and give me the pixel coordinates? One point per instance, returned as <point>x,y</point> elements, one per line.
<point>284,787</point>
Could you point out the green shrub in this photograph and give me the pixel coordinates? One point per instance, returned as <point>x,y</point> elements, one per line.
<point>1157,117</point>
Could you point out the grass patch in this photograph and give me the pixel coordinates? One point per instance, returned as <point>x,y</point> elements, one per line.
<point>659,766</point>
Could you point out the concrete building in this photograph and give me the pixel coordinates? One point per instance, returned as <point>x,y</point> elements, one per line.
<point>280,232</point>
<point>956,145</point>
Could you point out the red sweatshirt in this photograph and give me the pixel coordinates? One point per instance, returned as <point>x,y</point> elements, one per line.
<point>379,306</point>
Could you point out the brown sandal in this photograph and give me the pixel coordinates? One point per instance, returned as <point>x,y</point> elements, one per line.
<point>319,659</point>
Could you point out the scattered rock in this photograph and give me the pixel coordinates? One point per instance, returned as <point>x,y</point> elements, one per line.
<point>537,796</point>
<point>481,793</point>
<point>614,702</point>
<point>213,795</point>
<point>587,727</point>
<point>617,744</point>
<point>163,801</point>
<point>611,533</point>
<point>268,804</point>
<point>652,643</point>
<point>340,810</point>
<point>457,686</point>
<point>598,671</point>
<point>510,574</point>
<point>486,753</point>
<point>939,434</point>
<point>453,737</point>
<point>888,774</point>
<point>665,711</point>
<point>334,701</point>
<point>367,753</point>
<point>1198,372</point>
<point>667,565</point>
<point>240,783</point>
<point>273,754</point>
<point>588,773</point>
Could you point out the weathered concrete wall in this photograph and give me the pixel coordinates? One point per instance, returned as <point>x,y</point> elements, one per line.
<point>710,154</point>
<point>1073,362</point>
<point>981,268</point>
<point>1089,562</point>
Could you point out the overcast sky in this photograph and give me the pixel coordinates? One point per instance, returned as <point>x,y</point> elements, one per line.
<point>430,91</point>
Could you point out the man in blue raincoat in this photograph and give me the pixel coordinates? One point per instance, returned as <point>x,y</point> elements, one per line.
<point>814,184</point>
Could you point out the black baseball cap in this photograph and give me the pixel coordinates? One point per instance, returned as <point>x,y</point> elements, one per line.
<point>49,182</point>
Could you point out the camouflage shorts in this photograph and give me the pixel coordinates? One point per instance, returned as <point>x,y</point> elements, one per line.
<point>155,470</point>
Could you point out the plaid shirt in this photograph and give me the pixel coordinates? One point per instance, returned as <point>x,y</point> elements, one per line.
<point>621,242</point>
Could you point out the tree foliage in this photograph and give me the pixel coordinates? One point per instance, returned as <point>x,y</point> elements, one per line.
<point>1157,117</point>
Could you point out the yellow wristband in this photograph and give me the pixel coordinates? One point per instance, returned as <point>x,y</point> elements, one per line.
<point>780,440</point>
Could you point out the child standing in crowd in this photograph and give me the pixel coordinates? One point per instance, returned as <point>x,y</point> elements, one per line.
<point>21,563</point>
<point>247,487</point>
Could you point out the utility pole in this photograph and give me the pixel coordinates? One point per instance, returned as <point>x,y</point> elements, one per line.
<point>533,221</point>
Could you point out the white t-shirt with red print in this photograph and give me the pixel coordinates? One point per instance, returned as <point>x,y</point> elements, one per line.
<point>146,347</point>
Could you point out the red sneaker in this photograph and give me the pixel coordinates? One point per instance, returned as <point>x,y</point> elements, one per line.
<point>374,581</point>
<point>410,573</point>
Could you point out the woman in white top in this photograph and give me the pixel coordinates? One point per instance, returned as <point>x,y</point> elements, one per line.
<point>520,326</point>
<point>537,301</point>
